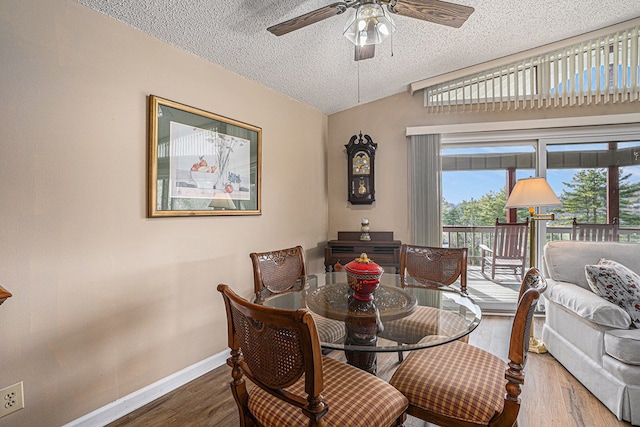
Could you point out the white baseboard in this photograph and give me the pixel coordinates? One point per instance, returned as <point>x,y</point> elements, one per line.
<point>131,402</point>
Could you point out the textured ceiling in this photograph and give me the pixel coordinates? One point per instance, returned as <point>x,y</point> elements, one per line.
<point>315,65</point>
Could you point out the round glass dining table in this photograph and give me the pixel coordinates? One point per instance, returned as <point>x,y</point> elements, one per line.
<point>404,315</point>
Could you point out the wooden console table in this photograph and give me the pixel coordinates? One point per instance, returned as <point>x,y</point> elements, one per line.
<point>381,248</point>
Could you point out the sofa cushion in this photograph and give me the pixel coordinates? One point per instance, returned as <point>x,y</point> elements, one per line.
<point>617,284</point>
<point>564,260</point>
<point>623,344</point>
<point>587,305</point>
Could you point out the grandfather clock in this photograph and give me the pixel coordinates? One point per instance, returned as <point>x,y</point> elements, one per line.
<point>361,156</point>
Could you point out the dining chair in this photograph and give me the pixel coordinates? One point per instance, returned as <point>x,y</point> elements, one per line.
<point>429,267</point>
<point>457,384</point>
<point>595,232</point>
<point>285,270</point>
<point>294,385</point>
<point>277,271</point>
<point>509,251</point>
<point>434,266</point>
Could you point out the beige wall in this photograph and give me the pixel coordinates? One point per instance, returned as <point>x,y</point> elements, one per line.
<point>106,301</point>
<point>386,121</point>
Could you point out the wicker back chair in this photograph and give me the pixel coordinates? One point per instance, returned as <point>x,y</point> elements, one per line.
<point>433,266</point>
<point>595,232</point>
<point>479,389</point>
<point>279,351</point>
<point>277,271</point>
<point>285,270</point>
<point>509,250</point>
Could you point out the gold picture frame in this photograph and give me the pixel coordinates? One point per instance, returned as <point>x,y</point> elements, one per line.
<point>201,163</point>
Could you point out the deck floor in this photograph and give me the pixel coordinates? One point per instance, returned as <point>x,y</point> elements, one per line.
<point>493,297</point>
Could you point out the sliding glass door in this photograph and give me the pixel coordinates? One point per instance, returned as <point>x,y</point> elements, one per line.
<point>596,178</point>
<point>476,179</point>
<point>597,182</point>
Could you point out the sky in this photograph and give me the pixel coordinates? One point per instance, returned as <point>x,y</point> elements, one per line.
<point>459,186</point>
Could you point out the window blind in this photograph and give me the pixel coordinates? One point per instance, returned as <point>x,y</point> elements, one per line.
<point>604,69</point>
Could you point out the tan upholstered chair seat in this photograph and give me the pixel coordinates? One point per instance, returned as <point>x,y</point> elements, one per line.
<point>348,392</point>
<point>423,322</point>
<point>456,380</point>
<point>329,330</point>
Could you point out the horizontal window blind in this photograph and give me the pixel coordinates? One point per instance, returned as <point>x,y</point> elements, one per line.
<point>601,70</point>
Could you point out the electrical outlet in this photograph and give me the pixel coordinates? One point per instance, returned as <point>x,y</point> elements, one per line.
<point>11,399</point>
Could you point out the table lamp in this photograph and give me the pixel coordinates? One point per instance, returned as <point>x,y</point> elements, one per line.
<point>532,193</point>
<point>222,201</point>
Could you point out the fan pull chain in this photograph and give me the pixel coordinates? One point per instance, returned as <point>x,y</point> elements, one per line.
<point>358,65</point>
<point>391,41</point>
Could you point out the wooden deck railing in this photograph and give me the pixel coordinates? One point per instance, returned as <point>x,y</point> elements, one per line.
<point>472,236</point>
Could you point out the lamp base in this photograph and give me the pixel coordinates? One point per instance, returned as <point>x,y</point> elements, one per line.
<point>537,346</point>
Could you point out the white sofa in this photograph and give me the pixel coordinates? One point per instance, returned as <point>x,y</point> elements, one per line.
<point>587,334</point>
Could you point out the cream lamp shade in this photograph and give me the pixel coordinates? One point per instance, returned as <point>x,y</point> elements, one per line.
<point>532,192</point>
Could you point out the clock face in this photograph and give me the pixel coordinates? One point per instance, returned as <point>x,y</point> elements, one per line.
<point>361,163</point>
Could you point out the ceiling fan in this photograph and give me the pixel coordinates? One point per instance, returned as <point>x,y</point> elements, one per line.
<point>371,24</point>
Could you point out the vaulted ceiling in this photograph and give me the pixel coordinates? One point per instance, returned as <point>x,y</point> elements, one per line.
<point>315,64</point>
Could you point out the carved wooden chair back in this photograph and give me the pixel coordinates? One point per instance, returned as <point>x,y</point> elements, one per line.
<point>434,266</point>
<point>595,232</point>
<point>533,285</point>
<point>277,271</point>
<point>509,250</point>
<point>472,400</point>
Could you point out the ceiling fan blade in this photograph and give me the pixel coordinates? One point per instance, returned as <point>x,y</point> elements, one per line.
<point>437,11</point>
<point>365,52</point>
<point>308,18</point>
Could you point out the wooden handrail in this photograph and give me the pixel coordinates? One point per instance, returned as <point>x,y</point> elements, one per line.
<point>473,236</point>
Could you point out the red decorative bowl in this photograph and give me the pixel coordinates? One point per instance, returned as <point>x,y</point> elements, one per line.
<point>363,276</point>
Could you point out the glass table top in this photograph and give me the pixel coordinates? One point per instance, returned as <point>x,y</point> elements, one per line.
<point>401,316</point>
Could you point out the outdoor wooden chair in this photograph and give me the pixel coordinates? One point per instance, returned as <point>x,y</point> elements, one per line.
<point>431,267</point>
<point>457,384</point>
<point>279,351</point>
<point>285,270</point>
<point>509,250</point>
<point>595,232</point>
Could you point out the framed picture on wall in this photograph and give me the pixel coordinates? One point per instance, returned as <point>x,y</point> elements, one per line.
<point>200,163</point>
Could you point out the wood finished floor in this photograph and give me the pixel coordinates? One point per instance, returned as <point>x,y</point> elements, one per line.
<point>551,396</point>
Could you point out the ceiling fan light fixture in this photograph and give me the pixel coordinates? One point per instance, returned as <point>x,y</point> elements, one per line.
<point>370,24</point>
<point>383,29</point>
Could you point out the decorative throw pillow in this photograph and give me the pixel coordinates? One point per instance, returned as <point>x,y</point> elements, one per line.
<point>617,284</point>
